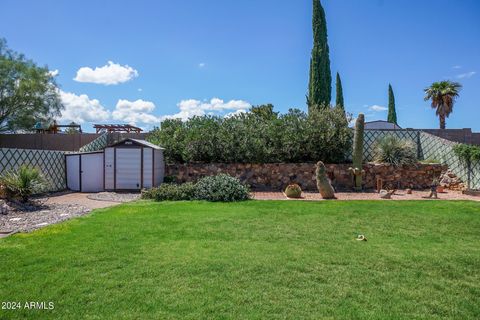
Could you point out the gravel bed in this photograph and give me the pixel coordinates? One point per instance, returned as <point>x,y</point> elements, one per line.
<point>25,221</point>
<point>398,195</point>
<point>114,196</point>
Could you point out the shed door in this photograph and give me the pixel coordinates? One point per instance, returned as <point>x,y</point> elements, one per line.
<point>73,172</point>
<point>128,168</point>
<point>92,172</point>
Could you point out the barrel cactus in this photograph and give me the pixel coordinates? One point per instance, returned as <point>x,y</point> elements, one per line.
<point>293,191</point>
<point>323,183</point>
<point>358,137</point>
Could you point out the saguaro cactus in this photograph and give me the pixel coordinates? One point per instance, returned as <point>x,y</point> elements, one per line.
<point>323,184</point>
<point>358,138</point>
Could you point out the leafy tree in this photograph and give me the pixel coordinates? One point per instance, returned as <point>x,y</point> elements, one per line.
<point>28,93</point>
<point>264,111</point>
<point>320,85</point>
<point>72,130</point>
<point>392,113</point>
<point>443,95</point>
<point>339,91</point>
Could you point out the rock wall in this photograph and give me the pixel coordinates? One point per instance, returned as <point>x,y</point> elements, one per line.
<point>276,176</point>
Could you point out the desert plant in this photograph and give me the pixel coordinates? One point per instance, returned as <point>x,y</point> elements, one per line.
<point>393,150</point>
<point>170,192</point>
<point>222,188</point>
<point>323,183</point>
<point>358,139</point>
<point>293,191</point>
<point>22,183</point>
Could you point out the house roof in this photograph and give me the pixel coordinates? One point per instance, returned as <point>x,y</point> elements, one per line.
<point>143,143</point>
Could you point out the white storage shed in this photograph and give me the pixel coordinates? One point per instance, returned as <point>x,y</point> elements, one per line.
<point>130,164</point>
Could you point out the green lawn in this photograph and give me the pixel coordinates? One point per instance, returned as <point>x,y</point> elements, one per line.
<point>251,260</point>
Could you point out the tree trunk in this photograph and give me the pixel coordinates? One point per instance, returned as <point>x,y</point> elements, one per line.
<point>442,121</point>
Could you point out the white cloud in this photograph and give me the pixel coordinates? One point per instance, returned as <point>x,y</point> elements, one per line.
<point>466,75</point>
<point>457,67</point>
<point>80,108</point>
<point>202,64</point>
<point>139,89</point>
<point>377,108</point>
<point>53,73</point>
<point>112,73</point>
<point>234,113</point>
<point>190,108</point>
<point>134,112</point>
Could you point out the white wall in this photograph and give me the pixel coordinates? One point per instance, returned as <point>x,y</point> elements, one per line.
<point>128,164</point>
<point>109,169</point>
<point>73,172</point>
<point>147,167</point>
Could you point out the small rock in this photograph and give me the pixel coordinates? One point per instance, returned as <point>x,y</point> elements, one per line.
<point>15,219</point>
<point>41,224</point>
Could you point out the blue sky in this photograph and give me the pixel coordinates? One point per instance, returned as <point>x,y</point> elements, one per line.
<point>219,56</point>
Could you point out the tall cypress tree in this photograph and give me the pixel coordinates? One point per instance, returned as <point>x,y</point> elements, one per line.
<point>392,113</point>
<point>320,84</point>
<point>339,90</point>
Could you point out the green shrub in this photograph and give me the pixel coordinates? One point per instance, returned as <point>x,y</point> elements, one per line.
<point>259,136</point>
<point>22,183</point>
<point>221,187</point>
<point>396,151</point>
<point>170,192</point>
<point>293,191</point>
<point>466,152</point>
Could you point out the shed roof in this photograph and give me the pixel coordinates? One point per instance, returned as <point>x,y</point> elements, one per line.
<point>143,143</point>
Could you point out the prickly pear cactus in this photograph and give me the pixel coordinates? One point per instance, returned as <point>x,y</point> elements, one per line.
<point>323,184</point>
<point>358,135</point>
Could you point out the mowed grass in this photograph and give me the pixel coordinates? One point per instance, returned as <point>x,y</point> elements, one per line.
<point>251,260</point>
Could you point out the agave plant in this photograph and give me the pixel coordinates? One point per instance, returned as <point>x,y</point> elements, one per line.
<point>22,183</point>
<point>396,151</point>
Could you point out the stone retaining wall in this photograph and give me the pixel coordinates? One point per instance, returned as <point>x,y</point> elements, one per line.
<point>276,176</point>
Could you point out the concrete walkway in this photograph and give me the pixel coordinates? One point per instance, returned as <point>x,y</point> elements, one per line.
<point>80,199</point>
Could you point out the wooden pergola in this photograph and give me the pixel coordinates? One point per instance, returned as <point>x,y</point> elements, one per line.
<point>126,128</point>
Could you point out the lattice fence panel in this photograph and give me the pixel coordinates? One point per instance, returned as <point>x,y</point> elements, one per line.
<point>50,163</point>
<point>97,144</point>
<point>372,136</point>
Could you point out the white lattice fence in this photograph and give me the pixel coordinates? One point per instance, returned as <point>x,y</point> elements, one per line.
<point>50,163</point>
<point>372,136</point>
<point>97,144</point>
<point>436,148</point>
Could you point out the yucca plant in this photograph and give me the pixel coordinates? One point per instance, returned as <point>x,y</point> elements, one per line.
<point>396,151</point>
<point>22,183</point>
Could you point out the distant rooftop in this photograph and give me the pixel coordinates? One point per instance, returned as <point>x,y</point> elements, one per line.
<point>380,124</point>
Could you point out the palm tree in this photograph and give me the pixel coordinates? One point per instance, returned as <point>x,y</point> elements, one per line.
<point>443,95</point>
